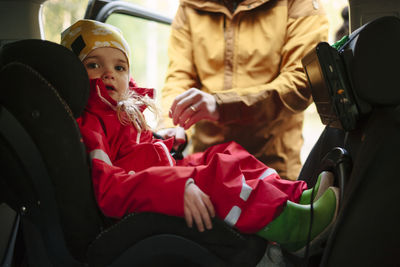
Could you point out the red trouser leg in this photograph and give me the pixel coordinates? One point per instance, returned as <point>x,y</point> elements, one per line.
<point>245,193</point>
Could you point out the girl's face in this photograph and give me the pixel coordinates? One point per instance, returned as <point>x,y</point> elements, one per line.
<point>111,66</point>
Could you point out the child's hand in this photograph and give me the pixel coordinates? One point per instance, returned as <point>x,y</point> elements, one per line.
<point>197,208</point>
<point>177,132</point>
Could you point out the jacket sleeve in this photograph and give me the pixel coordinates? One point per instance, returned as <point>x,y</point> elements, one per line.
<point>288,93</point>
<point>120,190</point>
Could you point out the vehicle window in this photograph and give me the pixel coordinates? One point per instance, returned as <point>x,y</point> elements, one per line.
<point>57,15</point>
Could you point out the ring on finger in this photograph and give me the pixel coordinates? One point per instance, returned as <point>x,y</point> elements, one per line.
<point>193,108</point>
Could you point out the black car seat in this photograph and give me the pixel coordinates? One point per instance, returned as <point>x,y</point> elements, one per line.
<point>356,91</point>
<point>45,179</point>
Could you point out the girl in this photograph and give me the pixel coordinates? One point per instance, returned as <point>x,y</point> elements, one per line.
<point>134,172</point>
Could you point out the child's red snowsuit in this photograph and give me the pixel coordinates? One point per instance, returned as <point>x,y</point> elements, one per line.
<point>133,172</point>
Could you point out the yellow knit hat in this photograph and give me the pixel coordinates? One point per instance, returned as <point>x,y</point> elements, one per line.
<point>86,35</point>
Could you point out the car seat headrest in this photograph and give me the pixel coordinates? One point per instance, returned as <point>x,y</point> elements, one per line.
<point>375,62</point>
<point>348,81</point>
<point>58,65</point>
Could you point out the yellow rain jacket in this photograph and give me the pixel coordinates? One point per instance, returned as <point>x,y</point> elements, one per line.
<point>251,62</point>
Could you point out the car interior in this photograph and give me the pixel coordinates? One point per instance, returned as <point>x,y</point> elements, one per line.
<point>49,216</point>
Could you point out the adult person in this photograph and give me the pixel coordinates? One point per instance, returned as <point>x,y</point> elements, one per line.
<point>235,73</point>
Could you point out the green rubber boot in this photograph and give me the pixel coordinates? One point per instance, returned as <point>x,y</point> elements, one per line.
<point>325,180</point>
<point>290,229</point>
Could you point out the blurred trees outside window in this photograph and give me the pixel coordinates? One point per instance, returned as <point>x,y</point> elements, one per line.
<point>59,14</point>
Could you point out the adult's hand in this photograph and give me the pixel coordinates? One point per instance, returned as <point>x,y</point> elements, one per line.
<point>197,208</point>
<point>192,106</point>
